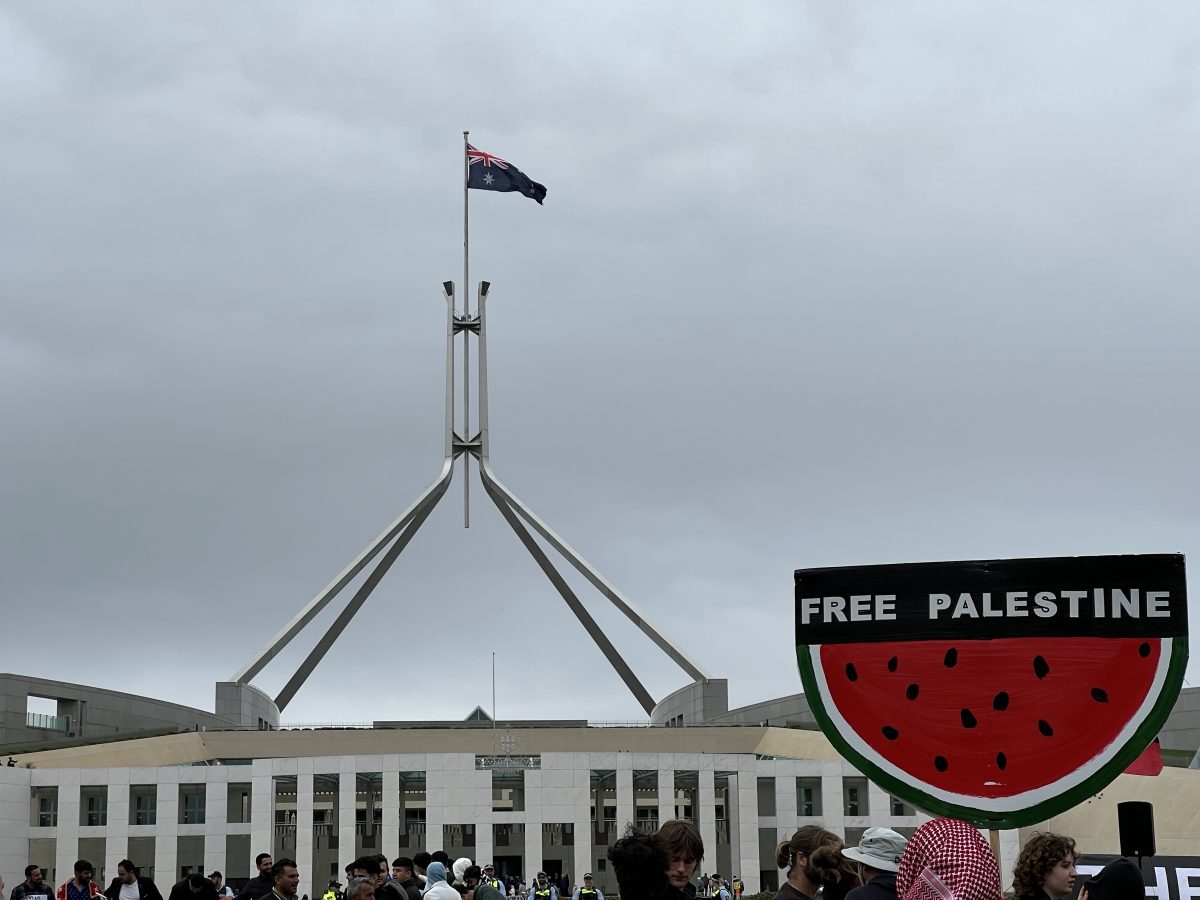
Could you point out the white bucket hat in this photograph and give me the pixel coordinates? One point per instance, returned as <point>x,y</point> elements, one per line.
<point>879,848</point>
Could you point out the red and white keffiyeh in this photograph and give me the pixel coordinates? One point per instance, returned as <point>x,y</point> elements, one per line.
<point>947,859</point>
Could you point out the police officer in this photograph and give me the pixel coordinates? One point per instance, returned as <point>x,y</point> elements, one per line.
<point>543,889</point>
<point>334,891</point>
<point>489,878</point>
<point>587,891</point>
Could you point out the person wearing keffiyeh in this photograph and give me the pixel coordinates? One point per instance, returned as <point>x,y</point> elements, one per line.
<point>947,859</point>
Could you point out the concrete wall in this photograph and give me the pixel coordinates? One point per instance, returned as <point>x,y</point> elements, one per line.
<point>245,705</point>
<point>692,704</point>
<point>92,712</point>
<point>783,712</point>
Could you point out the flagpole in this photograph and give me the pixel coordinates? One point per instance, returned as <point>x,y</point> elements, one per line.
<point>466,292</point>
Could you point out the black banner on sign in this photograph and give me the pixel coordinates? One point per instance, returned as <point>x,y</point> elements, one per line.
<point>1077,596</point>
<point>1167,877</point>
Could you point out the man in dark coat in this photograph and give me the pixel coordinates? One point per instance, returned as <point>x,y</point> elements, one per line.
<point>262,883</point>
<point>129,885</point>
<point>194,887</point>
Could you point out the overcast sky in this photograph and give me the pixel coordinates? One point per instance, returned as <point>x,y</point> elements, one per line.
<point>815,284</point>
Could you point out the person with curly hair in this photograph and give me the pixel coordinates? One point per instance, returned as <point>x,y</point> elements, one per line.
<point>1045,868</point>
<point>640,863</point>
<point>813,861</point>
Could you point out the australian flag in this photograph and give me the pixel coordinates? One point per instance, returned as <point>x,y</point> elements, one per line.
<point>490,173</point>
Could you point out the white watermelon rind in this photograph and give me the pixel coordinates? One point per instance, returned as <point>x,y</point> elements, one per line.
<point>1030,807</point>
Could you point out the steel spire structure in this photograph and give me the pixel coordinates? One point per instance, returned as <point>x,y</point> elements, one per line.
<point>520,518</point>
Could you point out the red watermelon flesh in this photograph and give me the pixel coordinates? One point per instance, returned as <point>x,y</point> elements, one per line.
<point>1023,712</point>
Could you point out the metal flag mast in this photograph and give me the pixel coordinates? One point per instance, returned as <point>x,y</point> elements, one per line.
<point>520,519</point>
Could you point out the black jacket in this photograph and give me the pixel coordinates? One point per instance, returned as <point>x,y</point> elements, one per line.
<point>881,887</point>
<point>183,891</point>
<point>147,889</point>
<point>258,886</point>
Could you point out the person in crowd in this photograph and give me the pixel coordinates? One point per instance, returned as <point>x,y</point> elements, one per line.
<point>460,870</point>
<point>32,888</point>
<point>878,857</point>
<point>948,855</point>
<point>285,878</point>
<point>420,863</point>
<point>703,884</point>
<point>405,877</point>
<point>478,887</point>
<point>333,891</point>
<point>437,888</point>
<point>587,890</point>
<point>444,858</point>
<point>488,876</point>
<point>129,885</point>
<point>359,888</point>
<point>642,864</point>
<point>813,861</point>
<point>543,888</point>
<point>1119,880</point>
<point>716,888</point>
<point>738,887</point>
<point>218,880</point>
<point>81,887</point>
<point>1045,868</point>
<point>193,887</point>
<point>261,884</point>
<point>685,850</point>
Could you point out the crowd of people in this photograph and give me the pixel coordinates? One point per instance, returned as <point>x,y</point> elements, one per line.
<point>945,859</point>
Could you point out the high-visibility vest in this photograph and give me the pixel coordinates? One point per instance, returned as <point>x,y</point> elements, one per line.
<point>329,895</point>
<point>494,882</point>
<point>588,893</point>
<point>544,893</point>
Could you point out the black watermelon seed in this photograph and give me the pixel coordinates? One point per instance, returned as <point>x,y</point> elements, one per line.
<point>939,763</point>
<point>1143,650</point>
<point>1001,761</point>
<point>1041,668</point>
<point>893,663</point>
<point>851,672</point>
<point>951,659</point>
<point>1099,695</point>
<point>890,733</point>
<point>968,718</point>
<point>1000,702</point>
<point>1044,728</point>
<point>912,691</point>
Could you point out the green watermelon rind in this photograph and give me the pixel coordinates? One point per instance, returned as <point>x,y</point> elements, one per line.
<point>1145,732</point>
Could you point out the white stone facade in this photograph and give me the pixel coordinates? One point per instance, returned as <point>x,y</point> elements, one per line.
<point>739,836</point>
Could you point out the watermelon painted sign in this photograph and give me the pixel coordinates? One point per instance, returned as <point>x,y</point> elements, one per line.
<point>1001,692</point>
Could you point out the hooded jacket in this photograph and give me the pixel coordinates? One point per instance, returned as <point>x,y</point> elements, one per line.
<point>436,886</point>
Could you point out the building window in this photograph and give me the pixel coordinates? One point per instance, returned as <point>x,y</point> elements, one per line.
<point>687,790</point>
<point>44,807</point>
<point>412,811</point>
<point>808,797</point>
<point>143,804</point>
<point>854,797</point>
<point>766,796</point>
<point>237,802</point>
<point>645,799</point>
<point>900,808</point>
<point>93,805</point>
<point>191,805</point>
<point>508,790</point>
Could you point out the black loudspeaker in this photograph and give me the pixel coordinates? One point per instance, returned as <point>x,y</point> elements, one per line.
<point>1135,822</point>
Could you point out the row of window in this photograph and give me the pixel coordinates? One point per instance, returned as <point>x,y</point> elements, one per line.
<point>508,795</point>
<point>143,804</point>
